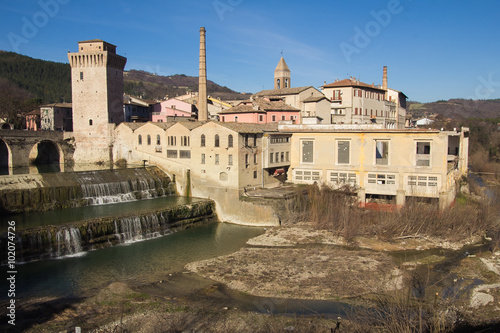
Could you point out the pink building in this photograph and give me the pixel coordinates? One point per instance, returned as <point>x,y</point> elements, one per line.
<point>172,108</point>
<point>33,120</point>
<point>260,111</point>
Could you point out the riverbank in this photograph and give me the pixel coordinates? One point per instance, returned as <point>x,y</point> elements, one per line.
<point>299,262</point>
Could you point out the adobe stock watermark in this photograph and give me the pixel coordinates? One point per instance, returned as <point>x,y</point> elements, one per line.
<point>486,87</point>
<point>223,6</point>
<point>363,37</point>
<point>31,25</point>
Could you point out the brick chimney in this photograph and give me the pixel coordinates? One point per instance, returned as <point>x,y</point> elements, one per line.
<point>202,83</point>
<point>384,79</point>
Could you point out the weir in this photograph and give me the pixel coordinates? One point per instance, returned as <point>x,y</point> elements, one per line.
<point>64,235</point>
<point>50,191</point>
<point>55,241</point>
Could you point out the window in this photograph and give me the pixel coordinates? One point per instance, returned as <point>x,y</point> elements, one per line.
<point>139,139</point>
<point>217,141</point>
<point>230,160</point>
<point>271,158</point>
<point>171,153</point>
<point>246,160</point>
<point>255,174</point>
<point>337,95</point>
<point>343,152</point>
<point>81,76</point>
<point>261,117</point>
<point>423,154</point>
<point>288,156</point>
<point>286,86</point>
<point>158,140</point>
<point>202,143</point>
<point>202,158</point>
<point>90,122</point>
<point>307,151</point>
<point>235,119</point>
<point>278,82</point>
<point>282,157</point>
<point>184,153</point>
<point>171,140</point>
<point>149,140</point>
<point>230,141</point>
<point>342,178</point>
<point>255,140</point>
<point>254,158</point>
<point>381,152</point>
<point>277,156</point>
<point>216,159</point>
<point>185,141</point>
<point>246,140</point>
<point>283,117</point>
<point>273,117</point>
<point>223,119</point>
<point>382,179</point>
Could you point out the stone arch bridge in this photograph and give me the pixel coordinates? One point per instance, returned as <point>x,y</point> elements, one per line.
<point>20,148</point>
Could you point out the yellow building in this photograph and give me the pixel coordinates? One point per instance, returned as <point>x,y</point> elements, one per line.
<point>392,164</point>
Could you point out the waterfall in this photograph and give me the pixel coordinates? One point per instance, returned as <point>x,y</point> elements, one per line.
<point>137,228</point>
<point>68,240</point>
<point>98,191</point>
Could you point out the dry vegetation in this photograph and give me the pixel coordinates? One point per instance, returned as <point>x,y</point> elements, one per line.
<point>337,211</point>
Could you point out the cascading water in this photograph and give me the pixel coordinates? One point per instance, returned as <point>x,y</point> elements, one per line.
<point>69,241</point>
<point>98,191</point>
<point>136,228</point>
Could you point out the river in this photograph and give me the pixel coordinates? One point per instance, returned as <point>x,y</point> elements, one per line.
<point>136,263</point>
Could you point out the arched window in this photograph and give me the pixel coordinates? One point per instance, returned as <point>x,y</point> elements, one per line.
<point>217,141</point>
<point>158,140</point>
<point>139,138</point>
<point>90,122</point>
<point>230,141</point>
<point>286,83</point>
<point>149,140</point>
<point>202,144</point>
<point>278,83</point>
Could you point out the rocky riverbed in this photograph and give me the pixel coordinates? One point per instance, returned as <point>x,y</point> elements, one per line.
<point>452,282</point>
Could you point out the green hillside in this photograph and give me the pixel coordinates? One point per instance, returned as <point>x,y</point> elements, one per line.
<point>49,81</point>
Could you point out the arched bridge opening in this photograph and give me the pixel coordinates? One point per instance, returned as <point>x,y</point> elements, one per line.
<point>4,158</point>
<point>46,155</point>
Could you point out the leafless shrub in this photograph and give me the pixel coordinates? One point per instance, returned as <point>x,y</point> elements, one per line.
<point>337,210</point>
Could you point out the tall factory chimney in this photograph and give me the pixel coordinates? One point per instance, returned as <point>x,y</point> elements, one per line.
<point>202,85</point>
<point>384,79</point>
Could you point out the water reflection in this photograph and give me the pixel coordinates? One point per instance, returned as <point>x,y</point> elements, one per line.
<point>137,263</point>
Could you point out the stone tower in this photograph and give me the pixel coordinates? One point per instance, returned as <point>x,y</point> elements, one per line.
<point>97,94</point>
<point>281,75</point>
<point>202,83</point>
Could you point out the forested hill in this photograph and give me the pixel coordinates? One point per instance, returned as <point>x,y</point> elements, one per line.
<point>157,87</point>
<point>46,80</point>
<point>456,108</point>
<point>51,81</point>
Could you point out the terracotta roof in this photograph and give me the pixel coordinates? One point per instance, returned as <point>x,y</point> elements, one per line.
<point>132,126</point>
<point>251,128</point>
<point>282,91</point>
<point>191,124</point>
<point>351,83</point>
<point>261,105</point>
<point>314,99</point>
<point>282,66</point>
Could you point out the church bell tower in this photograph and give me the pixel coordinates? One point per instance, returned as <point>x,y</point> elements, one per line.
<point>281,75</point>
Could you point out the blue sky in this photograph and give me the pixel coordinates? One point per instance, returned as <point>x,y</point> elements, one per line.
<point>433,49</point>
